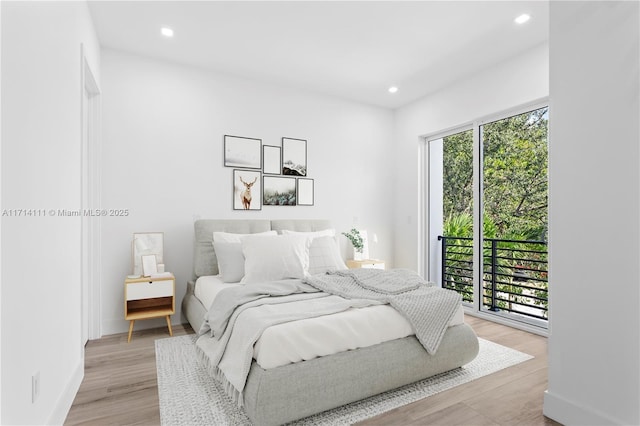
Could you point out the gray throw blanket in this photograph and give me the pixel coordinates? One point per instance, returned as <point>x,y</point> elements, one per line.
<point>428,308</point>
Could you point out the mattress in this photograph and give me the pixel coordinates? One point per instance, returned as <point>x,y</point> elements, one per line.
<point>355,328</point>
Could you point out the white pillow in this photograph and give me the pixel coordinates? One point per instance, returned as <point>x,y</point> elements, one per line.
<point>230,258</point>
<point>229,237</point>
<point>324,256</point>
<point>314,234</point>
<point>230,261</point>
<point>274,258</point>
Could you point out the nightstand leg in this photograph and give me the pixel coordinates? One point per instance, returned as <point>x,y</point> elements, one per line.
<point>169,325</point>
<point>130,330</point>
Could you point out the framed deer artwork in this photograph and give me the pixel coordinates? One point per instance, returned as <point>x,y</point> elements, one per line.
<point>247,190</point>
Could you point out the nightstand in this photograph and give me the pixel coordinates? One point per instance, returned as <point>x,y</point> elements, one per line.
<point>146,298</point>
<point>367,263</point>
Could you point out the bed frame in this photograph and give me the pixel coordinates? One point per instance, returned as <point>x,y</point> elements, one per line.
<point>283,394</point>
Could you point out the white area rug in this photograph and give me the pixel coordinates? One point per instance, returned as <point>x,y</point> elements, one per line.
<point>189,396</point>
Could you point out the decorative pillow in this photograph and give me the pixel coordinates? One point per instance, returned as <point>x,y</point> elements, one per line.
<point>274,258</point>
<point>324,256</point>
<point>229,237</point>
<point>230,261</point>
<point>314,234</point>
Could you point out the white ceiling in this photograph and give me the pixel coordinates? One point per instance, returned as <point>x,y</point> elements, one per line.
<point>350,49</point>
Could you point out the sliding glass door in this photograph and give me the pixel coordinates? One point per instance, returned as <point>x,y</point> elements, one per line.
<point>514,215</point>
<point>451,180</point>
<point>488,214</point>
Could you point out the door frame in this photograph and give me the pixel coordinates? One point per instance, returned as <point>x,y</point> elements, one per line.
<point>427,203</point>
<point>90,241</point>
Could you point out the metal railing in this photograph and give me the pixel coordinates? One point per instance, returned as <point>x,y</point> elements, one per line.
<point>514,274</point>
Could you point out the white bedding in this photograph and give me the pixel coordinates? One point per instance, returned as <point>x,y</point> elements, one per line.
<point>289,342</point>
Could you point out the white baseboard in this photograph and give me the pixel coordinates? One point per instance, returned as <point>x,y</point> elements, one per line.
<point>506,321</point>
<point>65,401</point>
<point>571,413</point>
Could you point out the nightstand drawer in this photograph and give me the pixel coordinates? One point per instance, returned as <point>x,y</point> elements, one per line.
<point>367,263</point>
<point>373,265</point>
<point>147,290</point>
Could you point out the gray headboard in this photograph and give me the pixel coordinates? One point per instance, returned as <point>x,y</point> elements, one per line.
<point>205,261</point>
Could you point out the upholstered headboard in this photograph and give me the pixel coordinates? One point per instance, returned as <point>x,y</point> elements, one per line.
<point>205,261</point>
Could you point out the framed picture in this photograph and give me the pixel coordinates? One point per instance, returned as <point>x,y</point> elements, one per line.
<point>294,157</point>
<point>271,160</point>
<point>246,190</point>
<point>146,243</point>
<point>305,192</point>
<point>278,191</point>
<point>149,265</point>
<point>242,152</point>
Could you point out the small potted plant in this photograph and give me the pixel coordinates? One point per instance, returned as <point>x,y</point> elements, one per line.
<point>357,242</point>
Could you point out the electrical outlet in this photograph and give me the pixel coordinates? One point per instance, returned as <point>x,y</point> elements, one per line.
<point>35,386</point>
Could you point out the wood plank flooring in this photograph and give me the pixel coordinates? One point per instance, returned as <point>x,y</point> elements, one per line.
<point>120,387</point>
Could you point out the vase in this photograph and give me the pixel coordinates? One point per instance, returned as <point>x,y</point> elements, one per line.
<point>357,255</point>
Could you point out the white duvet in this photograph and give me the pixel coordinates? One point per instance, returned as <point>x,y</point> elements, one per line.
<point>313,337</point>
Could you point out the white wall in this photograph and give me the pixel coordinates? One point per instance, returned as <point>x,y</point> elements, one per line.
<point>163,127</point>
<point>506,85</point>
<point>41,170</point>
<point>1,204</point>
<point>594,234</point>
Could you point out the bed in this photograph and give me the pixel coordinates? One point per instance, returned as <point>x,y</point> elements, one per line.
<point>277,391</point>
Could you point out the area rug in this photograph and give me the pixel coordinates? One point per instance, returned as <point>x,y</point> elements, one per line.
<point>189,396</point>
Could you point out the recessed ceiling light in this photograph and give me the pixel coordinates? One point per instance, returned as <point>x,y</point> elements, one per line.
<point>167,32</point>
<point>522,18</point>
<point>393,89</point>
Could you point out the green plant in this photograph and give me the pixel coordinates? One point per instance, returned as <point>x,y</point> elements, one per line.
<point>355,238</point>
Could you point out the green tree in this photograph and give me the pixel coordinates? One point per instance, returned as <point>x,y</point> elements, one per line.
<point>515,174</point>
<point>457,169</point>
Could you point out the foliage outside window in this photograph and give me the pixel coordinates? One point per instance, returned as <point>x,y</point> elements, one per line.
<point>514,200</point>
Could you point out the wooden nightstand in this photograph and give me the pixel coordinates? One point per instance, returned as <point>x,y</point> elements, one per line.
<point>147,297</point>
<point>367,263</point>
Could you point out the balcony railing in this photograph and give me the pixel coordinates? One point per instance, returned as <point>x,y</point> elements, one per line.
<point>514,276</point>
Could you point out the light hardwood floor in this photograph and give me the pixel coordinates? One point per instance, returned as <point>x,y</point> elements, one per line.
<point>120,388</point>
